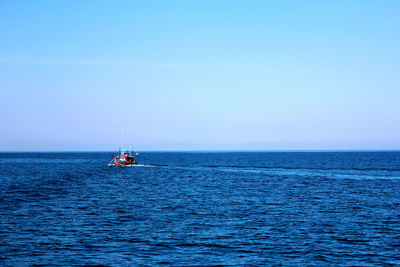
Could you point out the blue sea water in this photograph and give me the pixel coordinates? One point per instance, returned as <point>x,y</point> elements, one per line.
<point>185,209</point>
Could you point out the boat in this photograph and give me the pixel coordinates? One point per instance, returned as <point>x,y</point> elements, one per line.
<point>125,158</point>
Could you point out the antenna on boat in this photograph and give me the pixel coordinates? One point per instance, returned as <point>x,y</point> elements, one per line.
<point>122,135</point>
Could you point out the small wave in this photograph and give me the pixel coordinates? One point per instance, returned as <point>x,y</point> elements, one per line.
<point>205,245</point>
<point>305,168</point>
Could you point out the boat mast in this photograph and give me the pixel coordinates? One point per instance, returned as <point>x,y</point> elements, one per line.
<point>122,135</point>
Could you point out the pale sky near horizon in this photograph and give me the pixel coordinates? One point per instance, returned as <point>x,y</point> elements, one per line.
<point>199,75</point>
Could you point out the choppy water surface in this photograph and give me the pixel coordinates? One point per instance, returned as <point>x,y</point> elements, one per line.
<point>337,208</point>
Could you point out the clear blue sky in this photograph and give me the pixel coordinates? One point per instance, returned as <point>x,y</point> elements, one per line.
<point>199,74</point>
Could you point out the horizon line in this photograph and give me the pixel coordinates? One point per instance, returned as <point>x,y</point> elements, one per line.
<point>205,150</point>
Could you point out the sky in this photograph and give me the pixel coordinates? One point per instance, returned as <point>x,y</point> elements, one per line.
<point>199,75</point>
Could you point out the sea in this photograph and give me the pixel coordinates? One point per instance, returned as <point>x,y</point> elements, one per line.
<point>200,209</point>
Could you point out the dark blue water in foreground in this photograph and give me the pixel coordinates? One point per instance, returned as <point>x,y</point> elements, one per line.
<point>337,208</point>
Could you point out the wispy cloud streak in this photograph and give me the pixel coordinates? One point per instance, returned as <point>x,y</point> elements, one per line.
<point>115,63</point>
